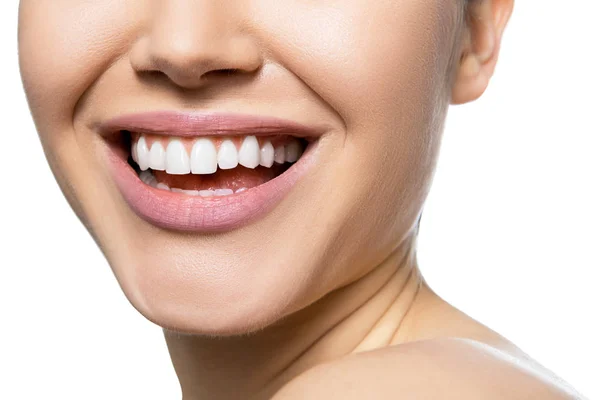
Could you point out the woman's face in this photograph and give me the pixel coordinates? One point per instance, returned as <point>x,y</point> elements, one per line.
<point>372,78</point>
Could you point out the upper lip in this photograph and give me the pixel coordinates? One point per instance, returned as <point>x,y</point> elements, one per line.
<point>204,124</point>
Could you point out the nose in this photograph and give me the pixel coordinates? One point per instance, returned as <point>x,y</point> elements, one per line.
<point>189,40</point>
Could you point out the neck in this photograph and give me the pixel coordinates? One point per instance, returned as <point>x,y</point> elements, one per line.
<point>360,316</point>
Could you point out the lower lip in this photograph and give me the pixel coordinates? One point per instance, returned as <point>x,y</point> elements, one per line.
<point>178,211</point>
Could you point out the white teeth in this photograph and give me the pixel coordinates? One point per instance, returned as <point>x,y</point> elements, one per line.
<point>153,182</point>
<point>146,177</point>
<point>223,192</point>
<point>149,179</point>
<point>292,151</point>
<point>279,155</point>
<point>204,157</point>
<point>228,155</point>
<point>157,157</point>
<point>267,155</point>
<point>178,161</point>
<point>134,151</point>
<point>204,193</point>
<point>249,152</point>
<point>142,154</point>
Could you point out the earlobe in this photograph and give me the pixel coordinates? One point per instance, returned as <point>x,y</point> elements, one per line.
<point>479,53</point>
<point>471,79</point>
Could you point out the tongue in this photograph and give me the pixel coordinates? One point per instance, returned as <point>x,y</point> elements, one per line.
<point>234,179</point>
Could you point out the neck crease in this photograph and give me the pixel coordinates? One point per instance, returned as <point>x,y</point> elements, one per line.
<point>361,316</point>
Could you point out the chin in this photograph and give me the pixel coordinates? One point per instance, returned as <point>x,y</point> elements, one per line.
<point>199,287</point>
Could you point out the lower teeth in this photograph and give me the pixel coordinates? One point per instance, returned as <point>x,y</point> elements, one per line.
<point>150,180</point>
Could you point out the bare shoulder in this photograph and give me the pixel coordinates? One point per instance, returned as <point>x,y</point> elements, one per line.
<point>445,369</point>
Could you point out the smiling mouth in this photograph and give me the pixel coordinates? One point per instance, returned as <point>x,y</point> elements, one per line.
<point>206,172</point>
<point>210,166</point>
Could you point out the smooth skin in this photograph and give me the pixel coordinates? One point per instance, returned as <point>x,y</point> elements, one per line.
<point>321,298</point>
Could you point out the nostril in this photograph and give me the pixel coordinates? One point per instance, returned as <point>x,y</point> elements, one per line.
<point>222,72</point>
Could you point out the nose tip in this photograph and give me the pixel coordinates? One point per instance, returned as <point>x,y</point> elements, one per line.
<point>189,46</point>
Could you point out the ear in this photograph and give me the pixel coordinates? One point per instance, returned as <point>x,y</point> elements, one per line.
<point>485,23</point>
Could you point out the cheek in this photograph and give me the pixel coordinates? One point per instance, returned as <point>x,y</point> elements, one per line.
<point>382,66</point>
<point>64,45</point>
<point>367,58</point>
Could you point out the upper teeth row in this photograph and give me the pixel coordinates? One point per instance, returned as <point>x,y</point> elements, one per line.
<point>204,156</point>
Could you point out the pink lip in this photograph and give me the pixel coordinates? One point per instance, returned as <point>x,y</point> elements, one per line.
<point>195,124</point>
<point>182,212</point>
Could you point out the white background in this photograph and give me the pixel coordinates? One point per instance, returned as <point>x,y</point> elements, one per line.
<point>510,233</point>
